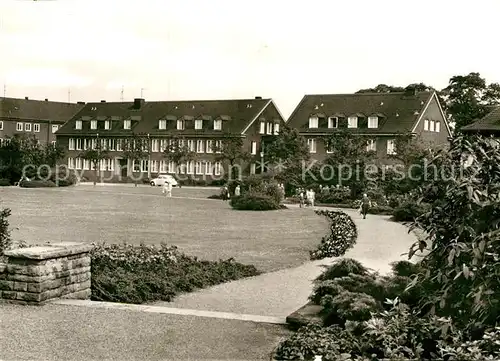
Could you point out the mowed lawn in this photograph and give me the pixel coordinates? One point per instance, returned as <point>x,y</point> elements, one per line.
<point>208,229</point>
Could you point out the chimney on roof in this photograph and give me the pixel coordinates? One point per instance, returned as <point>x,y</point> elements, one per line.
<point>138,103</point>
<point>82,103</point>
<point>46,99</point>
<point>26,98</point>
<point>258,97</point>
<point>103,101</point>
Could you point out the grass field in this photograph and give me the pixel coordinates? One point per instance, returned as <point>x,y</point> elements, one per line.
<point>208,229</point>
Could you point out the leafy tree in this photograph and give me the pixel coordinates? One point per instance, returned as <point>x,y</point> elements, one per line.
<point>468,98</point>
<point>136,148</point>
<point>348,158</point>
<point>24,154</point>
<point>382,88</point>
<point>462,270</point>
<point>231,151</point>
<point>288,148</point>
<point>177,151</point>
<point>95,155</point>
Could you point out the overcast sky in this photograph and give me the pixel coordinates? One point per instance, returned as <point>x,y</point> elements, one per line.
<point>214,49</point>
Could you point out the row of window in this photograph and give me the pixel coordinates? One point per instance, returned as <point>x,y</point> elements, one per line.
<point>371,146</point>
<point>200,167</point>
<point>28,127</point>
<point>157,145</point>
<point>432,126</point>
<point>352,122</point>
<point>162,124</point>
<point>270,128</point>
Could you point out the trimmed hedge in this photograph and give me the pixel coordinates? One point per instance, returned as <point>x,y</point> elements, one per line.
<point>37,184</point>
<point>4,182</point>
<point>254,202</point>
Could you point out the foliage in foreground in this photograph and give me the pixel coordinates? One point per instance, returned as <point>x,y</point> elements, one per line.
<point>5,240</point>
<point>139,274</point>
<point>462,271</point>
<point>343,235</point>
<point>397,335</point>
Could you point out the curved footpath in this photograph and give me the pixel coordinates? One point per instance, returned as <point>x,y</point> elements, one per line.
<point>278,294</point>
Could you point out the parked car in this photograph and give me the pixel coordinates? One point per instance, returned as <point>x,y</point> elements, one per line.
<point>162,179</point>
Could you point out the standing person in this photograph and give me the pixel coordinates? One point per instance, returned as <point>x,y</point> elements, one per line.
<point>365,205</point>
<point>301,197</point>
<point>167,189</point>
<point>237,191</point>
<point>312,196</point>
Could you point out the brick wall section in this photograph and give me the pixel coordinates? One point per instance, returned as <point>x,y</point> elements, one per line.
<point>39,274</point>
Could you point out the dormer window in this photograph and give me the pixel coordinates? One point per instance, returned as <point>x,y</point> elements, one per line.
<point>93,124</point>
<point>269,128</point>
<point>333,122</point>
<point>78,125</point>
<point>127,124</point>
<point>218,124</point>
<point>352,122</point>
<point>180,124</point>
<point>162,124</point>
<point>198,124</point>
<point>313,122</point>
<point>107,124</point>
<point>373,122</point>
<point>262,128</point>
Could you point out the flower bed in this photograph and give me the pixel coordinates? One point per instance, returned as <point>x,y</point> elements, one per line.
<point>342,237</point>
<point>139,274</point>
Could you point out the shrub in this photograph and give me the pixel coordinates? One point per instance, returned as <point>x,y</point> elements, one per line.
<point>4,182</point>
<point>405,268</point>
<point>343,234</point>
<point>334,195</point>
<point>409,211</point>
<point>274,192</point>
<point>5,240</point>
<point>343,268</point>
<point>348,306</point>
<point>254,202</point>
<point>324,288</point>
<point>36,184</point>
<point>313,340</point>
<point>138,274</point>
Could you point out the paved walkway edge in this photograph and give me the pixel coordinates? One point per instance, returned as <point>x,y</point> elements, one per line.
<point>173,311</point>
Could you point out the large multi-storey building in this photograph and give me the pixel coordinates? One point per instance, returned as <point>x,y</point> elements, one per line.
<point>379,116</point>
<point>200,124</point>
<point>41,118</point>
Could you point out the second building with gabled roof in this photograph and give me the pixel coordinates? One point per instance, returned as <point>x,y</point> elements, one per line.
<point>379,116</point>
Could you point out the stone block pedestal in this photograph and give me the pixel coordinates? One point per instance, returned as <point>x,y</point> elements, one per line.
<point>39,274</point>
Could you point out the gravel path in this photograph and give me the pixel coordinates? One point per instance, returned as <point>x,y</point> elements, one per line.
<point>56,332</point>
<point>380,241</point>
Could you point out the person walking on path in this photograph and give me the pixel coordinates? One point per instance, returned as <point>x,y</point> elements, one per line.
<point>167,189</point>
<point>301,197</point>
<point>310,197</point>
<point>365,205</point>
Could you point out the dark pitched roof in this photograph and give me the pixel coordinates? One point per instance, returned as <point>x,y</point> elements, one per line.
<point>490,122</point>
<point>28,109</point>
<point>398,112</point>
<point>236,115</point>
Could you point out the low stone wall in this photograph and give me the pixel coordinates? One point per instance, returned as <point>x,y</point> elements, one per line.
<point>39,274</point>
